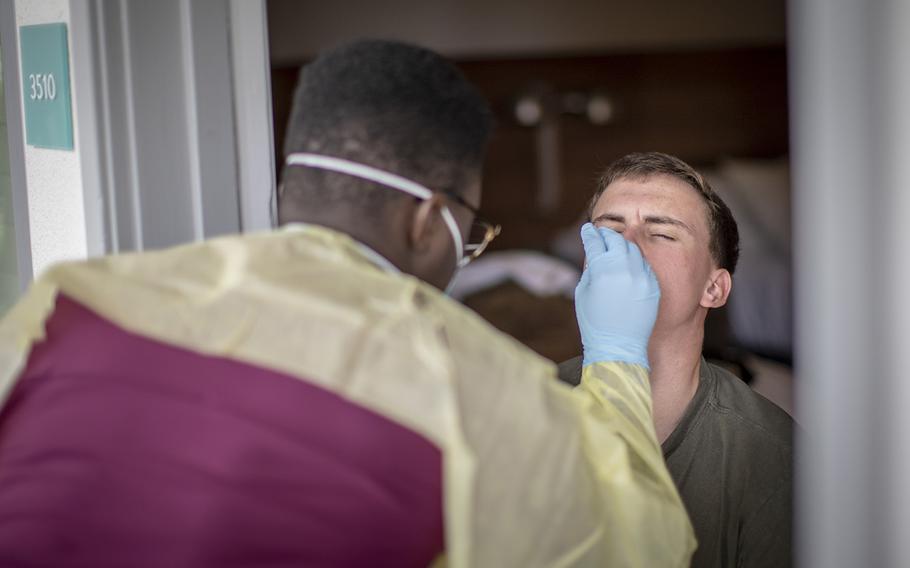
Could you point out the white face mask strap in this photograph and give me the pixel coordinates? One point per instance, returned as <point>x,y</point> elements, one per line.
<point>456,235</point>
<point>381,177</point>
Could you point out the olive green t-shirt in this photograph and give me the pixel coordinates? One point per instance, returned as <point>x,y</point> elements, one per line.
<point>731,458</point>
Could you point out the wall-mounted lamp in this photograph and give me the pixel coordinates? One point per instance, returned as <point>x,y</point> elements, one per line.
<point>539,102</point>
<point>540,107</point>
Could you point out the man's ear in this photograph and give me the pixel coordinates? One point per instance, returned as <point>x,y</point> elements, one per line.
<point>425,221</point>
<point>718,288</point>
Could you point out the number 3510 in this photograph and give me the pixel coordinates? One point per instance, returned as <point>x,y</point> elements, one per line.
<point>42,87</point>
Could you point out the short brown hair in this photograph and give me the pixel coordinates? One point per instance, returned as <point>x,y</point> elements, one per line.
<point>724,244</point>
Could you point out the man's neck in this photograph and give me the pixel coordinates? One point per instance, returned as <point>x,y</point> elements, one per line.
<point>675,360</point>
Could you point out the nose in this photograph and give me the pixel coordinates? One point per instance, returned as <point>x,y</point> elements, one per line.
<point>636,234</point>
<point>632,233</point>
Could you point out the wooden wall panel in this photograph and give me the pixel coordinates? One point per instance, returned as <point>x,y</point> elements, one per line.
<point>699,105</point>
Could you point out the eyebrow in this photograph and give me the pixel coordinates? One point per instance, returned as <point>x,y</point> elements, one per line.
<point>650,220</point>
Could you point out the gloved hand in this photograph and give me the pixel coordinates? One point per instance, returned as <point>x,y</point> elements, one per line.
<point>616,299</point>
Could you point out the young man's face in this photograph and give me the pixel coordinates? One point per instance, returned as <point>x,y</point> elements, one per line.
<point>667,219</point>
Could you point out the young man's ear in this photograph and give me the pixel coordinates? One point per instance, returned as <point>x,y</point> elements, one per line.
<point>717,289</point>
<point>425,219</point>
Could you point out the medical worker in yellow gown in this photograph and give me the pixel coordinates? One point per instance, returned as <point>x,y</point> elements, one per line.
<point>309,396</point>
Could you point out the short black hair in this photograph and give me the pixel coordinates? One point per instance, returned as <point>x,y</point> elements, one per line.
<point>724,244</point>
<point>390,105</point>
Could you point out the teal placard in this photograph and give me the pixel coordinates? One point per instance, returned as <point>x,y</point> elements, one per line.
<point>46,86</point>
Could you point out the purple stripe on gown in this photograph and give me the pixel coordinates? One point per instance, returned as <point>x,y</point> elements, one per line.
<point>116,450</point>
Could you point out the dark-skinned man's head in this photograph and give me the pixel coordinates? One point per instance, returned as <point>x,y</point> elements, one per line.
<point>401,109</point>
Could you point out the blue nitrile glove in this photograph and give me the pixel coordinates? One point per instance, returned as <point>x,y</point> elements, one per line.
<point>616,299</point>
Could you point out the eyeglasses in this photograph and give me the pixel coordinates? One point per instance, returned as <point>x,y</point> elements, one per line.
<point>481,234</point>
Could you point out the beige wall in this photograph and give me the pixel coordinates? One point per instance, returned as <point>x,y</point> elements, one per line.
<point>465,28</point>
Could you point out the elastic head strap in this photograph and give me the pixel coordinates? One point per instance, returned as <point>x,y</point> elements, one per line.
<point>385,178</point>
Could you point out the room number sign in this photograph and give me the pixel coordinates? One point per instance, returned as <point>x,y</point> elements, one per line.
<point>46,86</point>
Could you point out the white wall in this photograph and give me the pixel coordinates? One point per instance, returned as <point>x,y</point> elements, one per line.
<point>156,160</point>
<point>299,28</point>
<point>53,177</point>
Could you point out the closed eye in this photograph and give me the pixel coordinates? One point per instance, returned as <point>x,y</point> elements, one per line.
<point>618,227</point>
<point>661,236</point>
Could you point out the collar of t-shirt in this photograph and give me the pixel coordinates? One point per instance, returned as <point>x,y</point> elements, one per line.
<point>706,379</point>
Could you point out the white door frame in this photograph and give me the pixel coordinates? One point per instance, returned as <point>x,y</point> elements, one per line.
<point>850,83</point>
<point>177,118</point>
<point>253,113</point>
